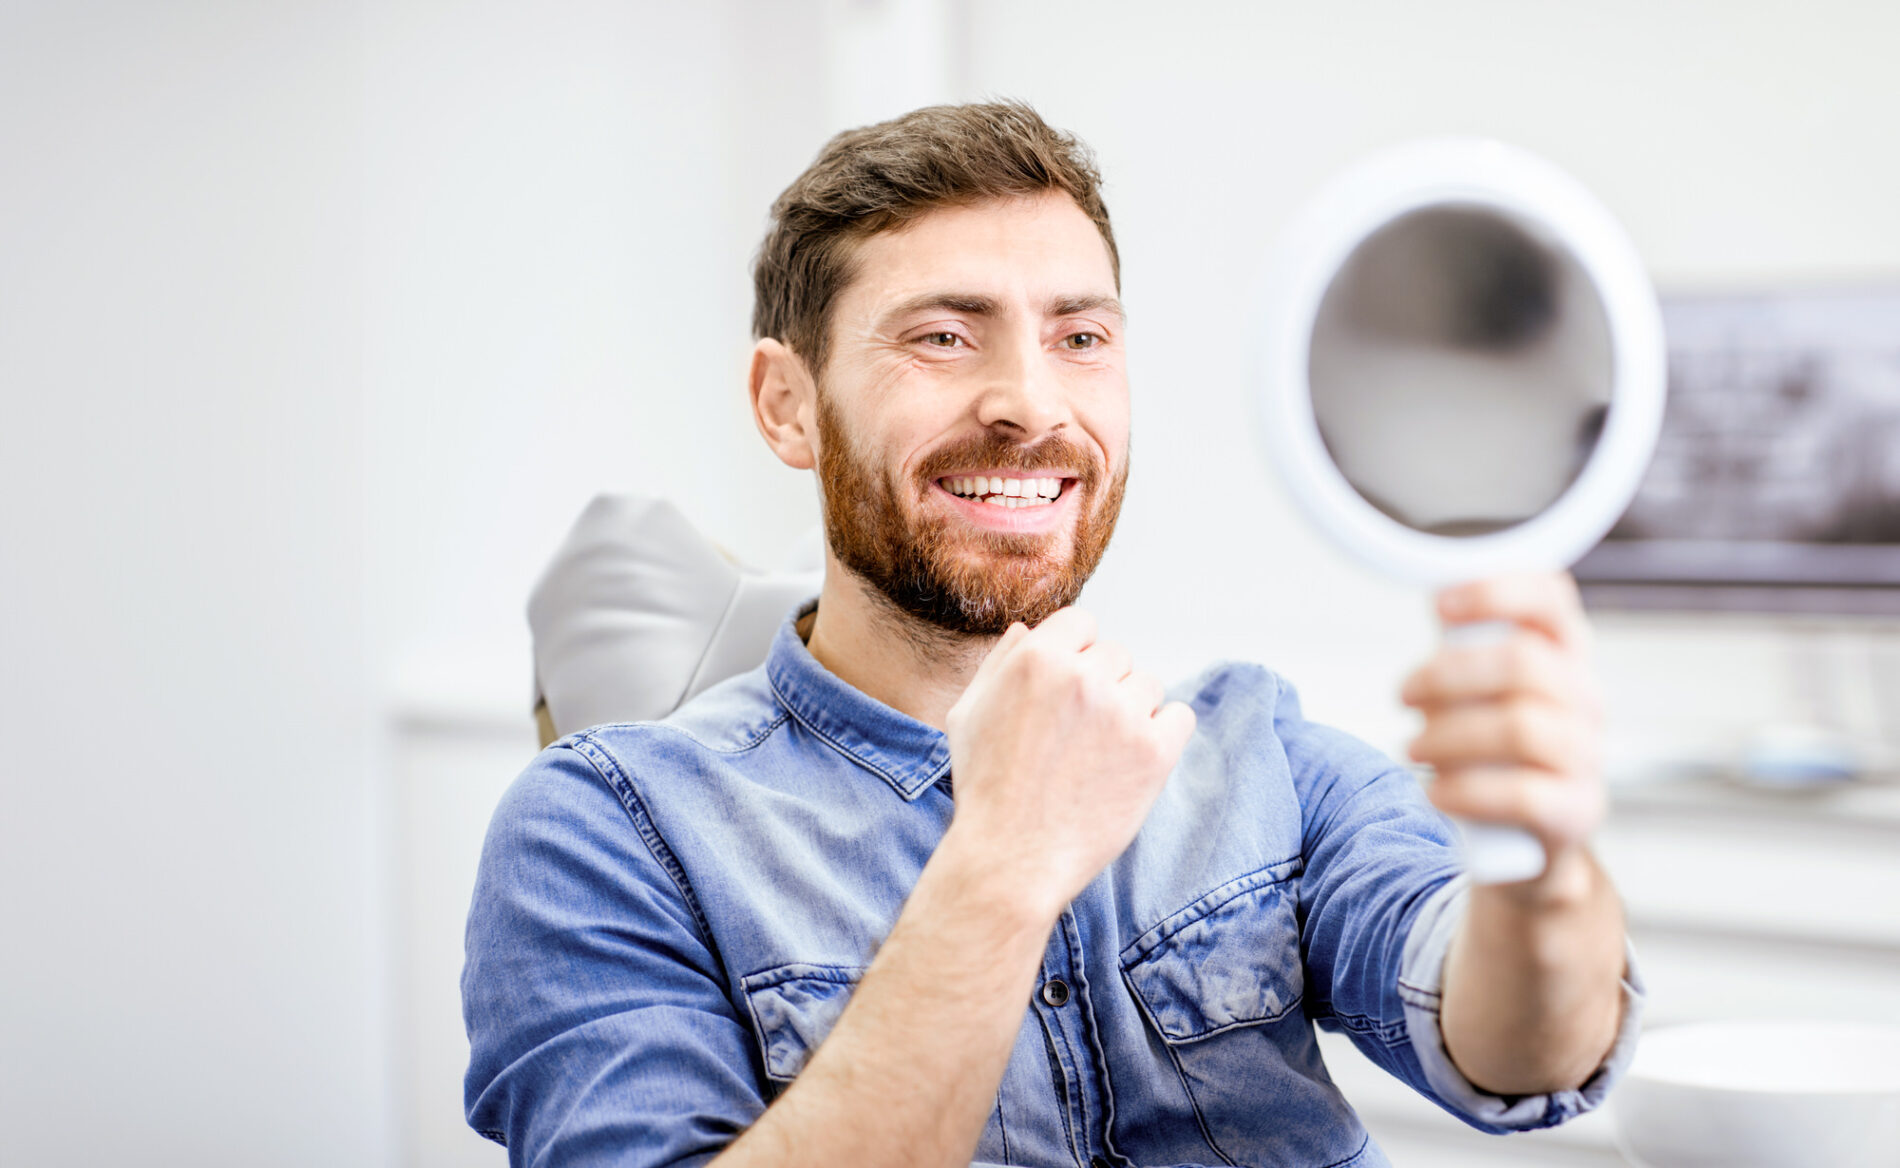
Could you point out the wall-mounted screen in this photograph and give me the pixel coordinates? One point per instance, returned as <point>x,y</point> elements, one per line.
<point>1776,482</point>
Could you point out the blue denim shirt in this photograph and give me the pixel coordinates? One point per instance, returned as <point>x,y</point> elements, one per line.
<point>670,916</point>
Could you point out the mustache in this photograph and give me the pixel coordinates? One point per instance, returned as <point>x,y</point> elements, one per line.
<point>990,449</point>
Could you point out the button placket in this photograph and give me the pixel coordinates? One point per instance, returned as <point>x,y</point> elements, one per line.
<point>1067,1017</point>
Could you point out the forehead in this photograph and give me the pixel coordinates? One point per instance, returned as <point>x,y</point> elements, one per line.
<point>1036,248</point>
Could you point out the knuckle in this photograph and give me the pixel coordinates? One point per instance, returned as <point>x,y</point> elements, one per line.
<point>1037,658</point>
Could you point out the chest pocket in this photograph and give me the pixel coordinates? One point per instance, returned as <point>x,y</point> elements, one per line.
<point>1221,983</point>
<point>793,1008</point>
<point>1230,959</point>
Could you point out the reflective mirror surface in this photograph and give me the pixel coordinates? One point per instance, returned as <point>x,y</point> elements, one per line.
<point>1461,368</point>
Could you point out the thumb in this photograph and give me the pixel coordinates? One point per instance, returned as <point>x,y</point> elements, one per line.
<point>1000,651</point>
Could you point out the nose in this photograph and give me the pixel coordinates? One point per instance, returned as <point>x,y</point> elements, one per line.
<point>1021,392</point>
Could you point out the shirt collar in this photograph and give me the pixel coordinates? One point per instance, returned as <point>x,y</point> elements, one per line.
<point>896,747</point>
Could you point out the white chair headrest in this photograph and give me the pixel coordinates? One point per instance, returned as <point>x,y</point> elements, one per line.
<point>638,612</point>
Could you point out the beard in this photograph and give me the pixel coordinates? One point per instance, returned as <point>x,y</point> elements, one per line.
<point>962,580</point>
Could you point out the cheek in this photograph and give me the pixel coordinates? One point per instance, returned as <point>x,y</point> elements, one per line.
<point>1110,434</point>
<point>1104,411</point>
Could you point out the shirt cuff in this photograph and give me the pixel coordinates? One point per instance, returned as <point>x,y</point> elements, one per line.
<point>1421,987</point>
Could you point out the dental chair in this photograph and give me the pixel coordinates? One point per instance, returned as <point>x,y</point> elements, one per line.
<point>639,611</point>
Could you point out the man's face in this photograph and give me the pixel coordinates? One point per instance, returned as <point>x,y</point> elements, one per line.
<point>976,344</point>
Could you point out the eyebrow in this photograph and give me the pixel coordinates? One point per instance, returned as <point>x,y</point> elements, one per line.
<point>1077,305</point>
<point>972,304</point>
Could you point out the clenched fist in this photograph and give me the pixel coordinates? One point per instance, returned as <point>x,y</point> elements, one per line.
<point>1058,748</point>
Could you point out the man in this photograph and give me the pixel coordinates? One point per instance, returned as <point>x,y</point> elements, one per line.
<point>948,877</point>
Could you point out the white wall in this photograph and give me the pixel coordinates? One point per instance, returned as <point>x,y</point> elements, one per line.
<point>556,303</point>
<point>191,969</point>
<point>562,205</point>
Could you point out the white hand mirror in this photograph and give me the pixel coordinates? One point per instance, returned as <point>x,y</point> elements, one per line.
<point>1463,376</point>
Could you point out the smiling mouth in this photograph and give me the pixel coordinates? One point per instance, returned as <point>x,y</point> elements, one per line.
<point>1007,492</point>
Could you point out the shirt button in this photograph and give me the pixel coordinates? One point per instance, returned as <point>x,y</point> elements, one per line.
<point>1055,991</point>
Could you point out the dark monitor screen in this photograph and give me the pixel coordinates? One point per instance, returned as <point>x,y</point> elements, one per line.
<point>1776,481</point>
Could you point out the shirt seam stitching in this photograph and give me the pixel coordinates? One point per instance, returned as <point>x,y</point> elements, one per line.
<point>1068,1088</point>
<point>1085,1004</point>
<point>759,736</point>
<point>1081,1091</point>
<point>1242,885</point>
<point>621,784</point>
<point>1200,1120</point>
<point>1366,1024</point>
<point>825,736</point>
<point>1364,1139</point>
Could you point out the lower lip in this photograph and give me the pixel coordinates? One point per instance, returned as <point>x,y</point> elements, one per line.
<point>1046,517</point>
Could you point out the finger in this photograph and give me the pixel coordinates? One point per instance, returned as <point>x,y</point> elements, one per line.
<point>1550,806</point>
<point>1108,660</point>
<point>1514,732</point>
<point>1000,651</point>
<point>1071,629</point>
<point>1545,601</point>
<point>1142,691</point>
<point>1174,724</point>
<point>1527,665</point>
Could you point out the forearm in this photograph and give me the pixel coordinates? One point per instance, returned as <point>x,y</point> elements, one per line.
<point>1532,989</point>
<point>909,1073</point>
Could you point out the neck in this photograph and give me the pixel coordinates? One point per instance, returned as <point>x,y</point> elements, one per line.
<point>866,642</point>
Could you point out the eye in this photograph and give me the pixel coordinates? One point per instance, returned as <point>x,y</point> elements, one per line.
<point>1082,340</point>
<point>943,340</point>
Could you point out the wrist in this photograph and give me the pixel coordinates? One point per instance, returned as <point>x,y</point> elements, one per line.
<point>973,870</point>
<point>1570,880</point>
<point>1568,918</point>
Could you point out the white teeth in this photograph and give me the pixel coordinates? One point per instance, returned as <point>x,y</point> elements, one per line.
<point>1004,492</point>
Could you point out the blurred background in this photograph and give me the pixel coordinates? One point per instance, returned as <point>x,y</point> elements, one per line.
<point>320,322</point>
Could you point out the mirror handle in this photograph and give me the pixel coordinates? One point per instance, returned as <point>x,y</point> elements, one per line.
<point>1494,853</point>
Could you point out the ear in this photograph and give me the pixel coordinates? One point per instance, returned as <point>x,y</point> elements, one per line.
<point>784,403</point>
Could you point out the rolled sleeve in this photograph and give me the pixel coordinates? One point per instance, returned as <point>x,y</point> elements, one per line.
<point>600,1028</point>
<point>1421,989</point>
<point>1382,896</point>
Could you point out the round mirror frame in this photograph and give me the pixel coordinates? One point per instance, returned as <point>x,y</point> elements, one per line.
<point>1464,172</point>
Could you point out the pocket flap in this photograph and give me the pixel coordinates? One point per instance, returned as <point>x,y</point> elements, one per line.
<point>793,1008</point>
<point>1230,959</point>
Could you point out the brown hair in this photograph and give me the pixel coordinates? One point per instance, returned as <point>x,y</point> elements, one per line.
<point>879,177</point>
